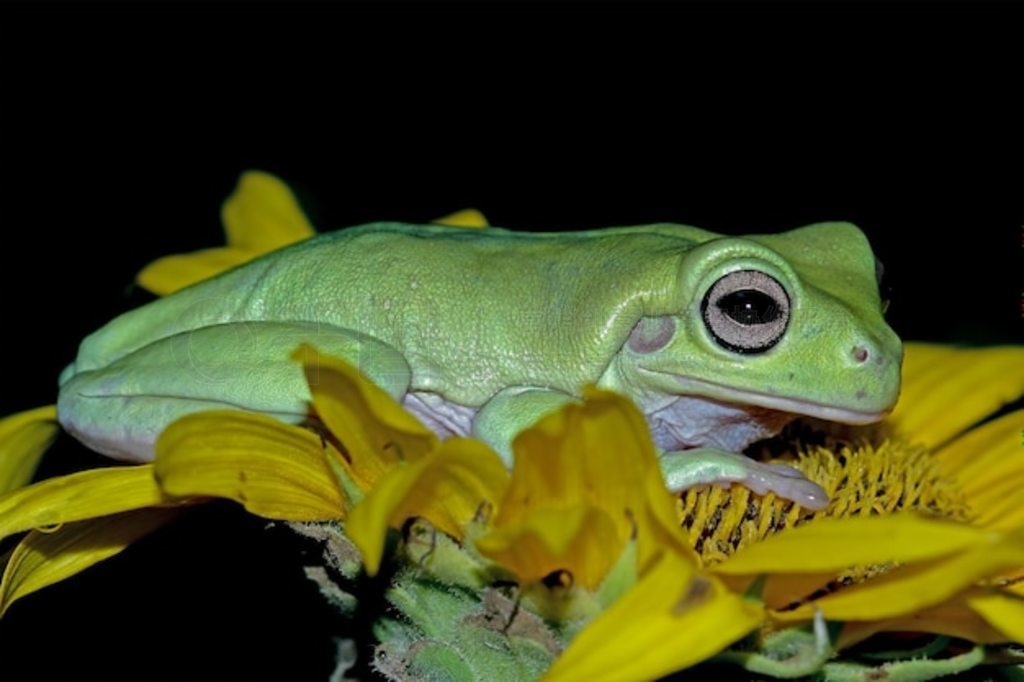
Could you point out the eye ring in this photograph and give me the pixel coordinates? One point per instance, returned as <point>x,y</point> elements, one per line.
<point>746,311</point>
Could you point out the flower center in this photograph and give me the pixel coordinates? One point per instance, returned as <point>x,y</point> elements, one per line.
<point>860,480</point>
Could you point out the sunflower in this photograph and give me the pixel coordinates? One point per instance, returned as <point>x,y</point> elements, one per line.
<point>950,457</point>
<point>579,564</point>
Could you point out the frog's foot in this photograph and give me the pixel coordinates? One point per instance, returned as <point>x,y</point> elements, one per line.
<point>702,466</point>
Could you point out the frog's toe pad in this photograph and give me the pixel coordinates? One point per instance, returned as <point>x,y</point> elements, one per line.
<point>785,482</point>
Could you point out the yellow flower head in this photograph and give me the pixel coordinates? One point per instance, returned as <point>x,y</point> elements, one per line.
<point>865,559</point>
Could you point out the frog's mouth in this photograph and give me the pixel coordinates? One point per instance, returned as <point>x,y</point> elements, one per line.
<point>807,408</point>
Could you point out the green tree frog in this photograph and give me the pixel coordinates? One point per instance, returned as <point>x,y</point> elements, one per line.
<point>719,340</point>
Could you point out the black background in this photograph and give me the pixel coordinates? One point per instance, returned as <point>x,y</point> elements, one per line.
<point>124,127</point>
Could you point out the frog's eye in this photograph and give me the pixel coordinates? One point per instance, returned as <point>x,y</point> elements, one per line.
<point>746,311</point>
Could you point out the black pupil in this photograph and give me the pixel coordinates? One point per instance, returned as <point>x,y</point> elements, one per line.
<point>749,306</point>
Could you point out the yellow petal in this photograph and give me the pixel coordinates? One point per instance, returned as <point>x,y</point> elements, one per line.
<point>374,429</point>
<point>83,495</point>
<point>999,513</point>
<point>469,217</point>
<point>274,469</point>
<point>947,389</point>
<point>671,619</point>
<point>1003,611</point>
<point>24,437</point>
<point>260,216</point>
<point>953,618</point>
<point>782,589</point>
<point>658,526</point>
<point>835,544</point>
<point>447,487</point>
<point>912,587</point>
<point>595,453</point>
<point>582,540</point>
<point>42,559</point>
<point>169,274</point>
<point>986,457</point>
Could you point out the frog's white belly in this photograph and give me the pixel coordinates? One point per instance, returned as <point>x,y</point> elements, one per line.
<point>441,416</point>
<point>684,423</point>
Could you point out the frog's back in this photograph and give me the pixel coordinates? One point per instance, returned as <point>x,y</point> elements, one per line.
<point>472,310</point>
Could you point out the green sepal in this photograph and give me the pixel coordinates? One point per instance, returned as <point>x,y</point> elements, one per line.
<point>353,493</point>
<point>620,578</point>
<point>450,633</point>
<point>913,670</point>
<point>788,654</point>
<point>443,558</point>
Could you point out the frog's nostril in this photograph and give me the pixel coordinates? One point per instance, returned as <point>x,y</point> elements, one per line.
<point>860,353</point>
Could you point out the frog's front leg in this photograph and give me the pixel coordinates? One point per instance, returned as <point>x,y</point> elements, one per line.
<point>120,409</point>
<point>702,466</point>
<point>512,410</point>
<point>515,409</point>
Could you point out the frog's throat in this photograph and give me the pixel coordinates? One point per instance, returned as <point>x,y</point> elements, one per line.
<point>689,386</point>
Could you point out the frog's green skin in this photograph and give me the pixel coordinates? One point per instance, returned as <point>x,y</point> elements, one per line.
<point>485,330</point>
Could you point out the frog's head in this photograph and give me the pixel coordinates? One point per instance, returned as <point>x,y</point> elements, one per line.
<point>790,322</point>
